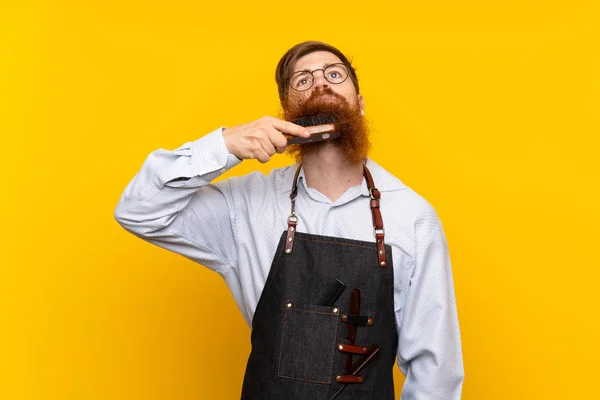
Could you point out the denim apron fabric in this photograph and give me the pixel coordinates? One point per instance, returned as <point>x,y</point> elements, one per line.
<point>299,346</point>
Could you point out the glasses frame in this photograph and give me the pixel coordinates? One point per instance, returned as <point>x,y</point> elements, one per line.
<point>312,73</point>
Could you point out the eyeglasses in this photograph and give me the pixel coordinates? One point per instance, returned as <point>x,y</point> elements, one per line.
<point>334,73</point>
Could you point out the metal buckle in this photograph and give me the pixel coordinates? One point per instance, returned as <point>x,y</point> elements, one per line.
<point>292,217</point>
<point>378,231</point>
<point>371,194</point>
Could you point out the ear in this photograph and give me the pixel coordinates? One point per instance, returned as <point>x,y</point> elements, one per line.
<point>361,103</point>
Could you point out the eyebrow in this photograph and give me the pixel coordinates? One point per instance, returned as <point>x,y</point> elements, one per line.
<point>324,66</point>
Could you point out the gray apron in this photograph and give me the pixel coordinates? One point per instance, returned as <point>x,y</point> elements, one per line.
<point>324,326</point>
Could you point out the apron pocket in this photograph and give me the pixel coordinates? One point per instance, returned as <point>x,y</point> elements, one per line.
<point>308,340</point>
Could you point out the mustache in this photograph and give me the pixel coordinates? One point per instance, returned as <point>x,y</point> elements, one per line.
<point>322,92</point>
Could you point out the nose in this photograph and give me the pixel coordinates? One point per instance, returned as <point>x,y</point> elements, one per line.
<point>320,81</point>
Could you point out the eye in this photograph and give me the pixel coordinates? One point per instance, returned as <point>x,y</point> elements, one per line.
<point>336,73</point>
<point>301,80</point>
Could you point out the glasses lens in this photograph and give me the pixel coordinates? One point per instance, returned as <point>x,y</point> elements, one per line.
<point>336,73</point>
<point>301,80</point>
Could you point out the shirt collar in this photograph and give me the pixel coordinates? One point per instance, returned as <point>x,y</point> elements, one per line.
<point>383,180</point>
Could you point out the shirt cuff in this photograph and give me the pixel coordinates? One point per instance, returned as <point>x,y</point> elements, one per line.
<point>210,154</point>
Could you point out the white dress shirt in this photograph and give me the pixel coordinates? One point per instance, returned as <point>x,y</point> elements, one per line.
<point>233,228</point>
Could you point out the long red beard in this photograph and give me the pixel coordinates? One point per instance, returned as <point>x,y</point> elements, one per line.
<point>354,142</point>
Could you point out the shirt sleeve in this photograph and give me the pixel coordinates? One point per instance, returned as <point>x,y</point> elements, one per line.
<point>171,203</point>
<point>430,351</point>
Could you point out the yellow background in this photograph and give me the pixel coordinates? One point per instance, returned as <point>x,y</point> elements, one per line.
<point>490,110</point>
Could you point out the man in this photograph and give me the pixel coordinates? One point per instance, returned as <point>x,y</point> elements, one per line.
<point>337,266</point>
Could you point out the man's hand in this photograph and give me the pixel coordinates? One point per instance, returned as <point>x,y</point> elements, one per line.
<point>261,139</point>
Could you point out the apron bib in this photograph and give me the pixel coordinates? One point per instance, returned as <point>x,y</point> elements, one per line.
<point>325,326</point>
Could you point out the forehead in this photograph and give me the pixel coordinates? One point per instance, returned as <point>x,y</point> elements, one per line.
<point>317,59</point>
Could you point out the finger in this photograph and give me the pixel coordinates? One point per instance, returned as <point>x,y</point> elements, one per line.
<point>261,155</point>
<point>278,139</point>
<point>266,144</point>
<point>290,128</point>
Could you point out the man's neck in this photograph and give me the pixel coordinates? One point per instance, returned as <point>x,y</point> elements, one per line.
<point>330,173</point>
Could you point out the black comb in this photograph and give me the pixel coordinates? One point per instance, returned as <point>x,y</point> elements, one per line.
<point>333,292</point>
<point>321,127</point>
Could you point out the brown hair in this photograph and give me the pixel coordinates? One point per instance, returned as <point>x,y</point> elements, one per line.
<point>284,68</point>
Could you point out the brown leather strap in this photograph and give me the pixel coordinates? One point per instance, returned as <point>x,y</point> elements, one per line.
<point>354,308</point>
<point>362,363</point>
<point>295,184</point>
<point>349,379</point>
<point>377,220</point>
<point>291,232</point>
<point>292,219</point>
<point>349,348</point>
